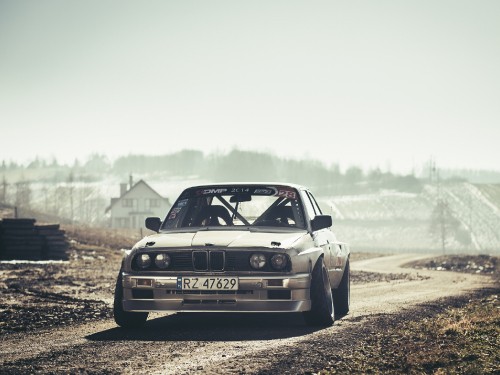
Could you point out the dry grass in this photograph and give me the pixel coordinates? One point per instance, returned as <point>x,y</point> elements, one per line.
<point>463,339</point>
<point>104,237</point>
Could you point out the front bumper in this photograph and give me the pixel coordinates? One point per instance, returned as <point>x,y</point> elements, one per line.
<point>255,294</point>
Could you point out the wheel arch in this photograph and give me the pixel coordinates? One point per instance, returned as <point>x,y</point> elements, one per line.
<point>310,257</point>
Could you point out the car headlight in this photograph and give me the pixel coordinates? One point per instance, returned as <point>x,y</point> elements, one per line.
<point>279,261</point>
<point>162,260</point>
<point>143,261</point>
<point>258,261</point>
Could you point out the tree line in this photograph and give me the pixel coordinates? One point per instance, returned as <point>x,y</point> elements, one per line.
<point>237,165</point>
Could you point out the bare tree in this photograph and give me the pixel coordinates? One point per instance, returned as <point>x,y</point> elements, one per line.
<point>23,195</point>
<point>70,194</point>
<point>444,225</point>
<point>3,191</point>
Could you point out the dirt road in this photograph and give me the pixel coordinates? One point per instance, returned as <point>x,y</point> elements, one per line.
<point>210,343</point>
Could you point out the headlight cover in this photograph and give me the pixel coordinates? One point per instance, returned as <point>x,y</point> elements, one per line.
<point>279,261</point>
<point>162,260</point>
<point>143,261</point>
<point>258,261</point>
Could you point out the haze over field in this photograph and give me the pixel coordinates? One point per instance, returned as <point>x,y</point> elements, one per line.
<point>153,158</point>
<point>384,83</point>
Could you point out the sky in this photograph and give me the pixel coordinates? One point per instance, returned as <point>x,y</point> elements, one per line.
<point>386,83</point>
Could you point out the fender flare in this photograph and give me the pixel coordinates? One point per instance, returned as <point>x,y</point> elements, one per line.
<point>313,254</point>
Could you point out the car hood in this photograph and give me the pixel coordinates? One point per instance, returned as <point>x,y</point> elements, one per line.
<point>229,238</point>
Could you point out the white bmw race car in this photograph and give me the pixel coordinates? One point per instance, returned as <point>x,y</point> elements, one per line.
<point>245,247</point>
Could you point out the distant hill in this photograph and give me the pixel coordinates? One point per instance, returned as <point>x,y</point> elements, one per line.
<point>237,165</point>
<point>472,175</point>
<point>373,210</point>
<point>465,216</point>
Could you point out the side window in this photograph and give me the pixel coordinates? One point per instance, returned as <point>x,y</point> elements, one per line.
<point>177,213</point>
<point>315,204</point>
<point>149,203</point>
<point>308,206</point>
<point>122,222</point>
<point>129,203</point>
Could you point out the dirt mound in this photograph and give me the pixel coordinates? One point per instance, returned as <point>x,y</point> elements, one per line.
<point>480,264</point>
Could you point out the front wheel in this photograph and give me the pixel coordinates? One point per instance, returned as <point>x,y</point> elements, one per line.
<point>322,311</point>
<point>342,295</point>
<point>126,319</point>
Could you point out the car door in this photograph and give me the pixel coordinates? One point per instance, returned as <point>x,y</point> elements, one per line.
<point>323,238</point>
<point>332,248</point>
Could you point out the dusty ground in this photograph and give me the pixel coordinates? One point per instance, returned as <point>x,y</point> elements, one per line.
<point>455,335</point>
<point>56,319</point>
<point>34,295</point>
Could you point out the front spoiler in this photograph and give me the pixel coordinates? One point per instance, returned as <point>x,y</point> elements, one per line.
<point>179,305</point>
<point>254,295</point>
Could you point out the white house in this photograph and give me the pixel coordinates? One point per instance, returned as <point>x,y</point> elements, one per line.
<point>135,205</point>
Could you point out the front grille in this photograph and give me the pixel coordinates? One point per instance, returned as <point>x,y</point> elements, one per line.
<point>209,302</point>
<point>211,292</point>
<point>181,261</point>
<point>217,260</point>
<point>142,294</point>
<point>279,294</point>
<point>209,260</point>
<point>200,260</point>
<point>238,261</point>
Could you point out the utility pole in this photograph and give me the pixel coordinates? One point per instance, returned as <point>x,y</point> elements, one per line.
<point>3,197</point>
<point>442,211</point>
<point>470,222</point>
<point>71,205</point>
<point>442,219</point>
<point>23,195</point>
<point>45,191</point>
<point>432,169</point>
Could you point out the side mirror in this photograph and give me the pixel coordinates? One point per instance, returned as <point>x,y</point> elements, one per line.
<point>153,223</point>
<point>321,222</point>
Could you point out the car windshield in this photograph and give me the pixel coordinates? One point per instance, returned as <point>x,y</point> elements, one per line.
<point>237,206</point>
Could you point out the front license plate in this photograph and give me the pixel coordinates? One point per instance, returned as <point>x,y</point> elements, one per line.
<point>207,283</point>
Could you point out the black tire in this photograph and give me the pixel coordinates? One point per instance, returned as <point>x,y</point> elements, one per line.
<point>322,311</point>
<point>342,295</point>
<point>126,319</point>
